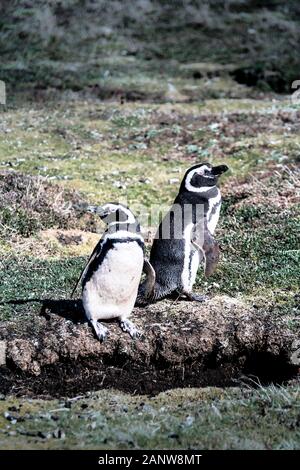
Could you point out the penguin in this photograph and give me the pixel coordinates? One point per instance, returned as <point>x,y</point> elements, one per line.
<point>185,238</point>
<point>112,274</point>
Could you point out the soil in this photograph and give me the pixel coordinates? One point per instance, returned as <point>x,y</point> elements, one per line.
<point>183,344</point>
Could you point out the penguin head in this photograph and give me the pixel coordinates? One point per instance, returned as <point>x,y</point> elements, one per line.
<point>201,177</point>
<point>113,213</point>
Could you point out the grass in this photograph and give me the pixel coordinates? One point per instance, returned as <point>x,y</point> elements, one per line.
<point>268,253</point>
<point>60,136</point>
<point>42,44</point>
<point>267,418</point>
<point>36,279</point>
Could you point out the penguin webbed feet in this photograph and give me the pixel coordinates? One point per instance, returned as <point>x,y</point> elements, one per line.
<point>100,330</point>
<point>128,327</point>
<point>191,296</point>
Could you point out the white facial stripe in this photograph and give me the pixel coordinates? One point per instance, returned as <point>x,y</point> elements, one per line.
<point>130,216</point>
<point>110,207</point>
<point>202,169</point>
<point>212,219</point>
<point>189,177</point>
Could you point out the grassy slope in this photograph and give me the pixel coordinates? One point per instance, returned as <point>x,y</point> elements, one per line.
<point>113,159</point>
<point>107,150</point>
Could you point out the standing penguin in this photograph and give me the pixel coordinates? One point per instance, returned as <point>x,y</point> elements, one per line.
<point>111,277</point>
<point>185,235</point>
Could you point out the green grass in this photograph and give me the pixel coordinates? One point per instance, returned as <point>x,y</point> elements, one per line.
<point>261,251</point>
<point>31,278</point>
<point>267,418</point>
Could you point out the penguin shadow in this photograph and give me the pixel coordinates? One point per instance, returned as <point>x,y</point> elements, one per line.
<point>71,310</point>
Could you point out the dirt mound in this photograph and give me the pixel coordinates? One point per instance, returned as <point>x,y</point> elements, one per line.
<point>31,203</point>
<point>182,344</point>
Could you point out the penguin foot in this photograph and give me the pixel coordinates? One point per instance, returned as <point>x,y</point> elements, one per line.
<point>128,327</point>
<point>100,330</point>
<point>199,298</point>
<point>195,297</point>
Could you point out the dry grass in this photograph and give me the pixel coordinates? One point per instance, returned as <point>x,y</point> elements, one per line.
<point>31,203</point>
<point>276,188</point>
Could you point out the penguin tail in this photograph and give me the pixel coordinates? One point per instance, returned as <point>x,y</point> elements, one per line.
<point>145,297</point>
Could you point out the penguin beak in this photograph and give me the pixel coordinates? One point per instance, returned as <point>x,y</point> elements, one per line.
<point>96,210</point>
<point>218,170</point>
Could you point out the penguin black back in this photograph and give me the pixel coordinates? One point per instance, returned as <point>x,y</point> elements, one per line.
<point>174,256</point>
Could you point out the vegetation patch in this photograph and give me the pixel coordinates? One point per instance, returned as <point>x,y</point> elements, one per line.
<point>209,418</point>
<point>29,204</point>
<point>119,55</point>
<point>261,223</point>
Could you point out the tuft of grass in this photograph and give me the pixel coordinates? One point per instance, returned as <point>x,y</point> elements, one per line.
<point>29,204</point>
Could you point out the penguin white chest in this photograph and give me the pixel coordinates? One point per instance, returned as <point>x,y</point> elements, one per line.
<point>112,289</point>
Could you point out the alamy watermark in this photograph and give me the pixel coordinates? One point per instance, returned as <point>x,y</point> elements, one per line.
<point>295,97</point>
<point>295,356</point>
<point>181,220</point>
<point>2,92</point>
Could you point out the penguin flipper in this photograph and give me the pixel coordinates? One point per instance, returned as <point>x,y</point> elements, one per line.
<point>96,252</point>
<point>150,279</point>
<point>146,290</point>
<point>212,253</point>
<point>207,245</point>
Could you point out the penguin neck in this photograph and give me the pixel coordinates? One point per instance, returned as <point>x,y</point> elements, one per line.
<point>123,226</point>
<point>196,205</point>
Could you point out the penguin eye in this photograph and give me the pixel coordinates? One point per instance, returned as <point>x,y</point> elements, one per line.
<point>207,172</point>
